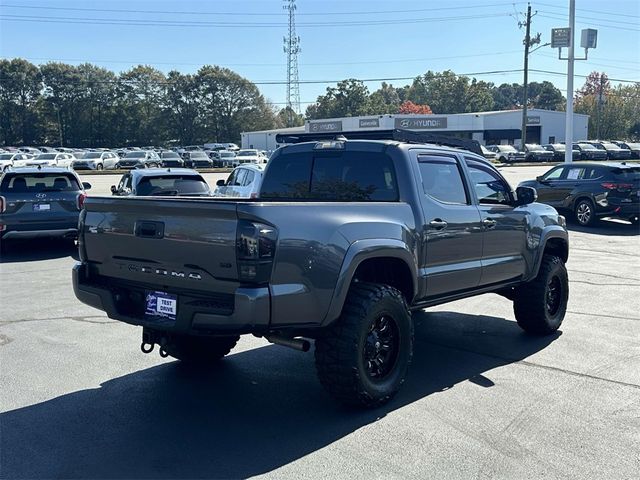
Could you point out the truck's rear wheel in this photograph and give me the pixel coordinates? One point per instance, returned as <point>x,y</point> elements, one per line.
<point>540,305</point>
<point>200,350</point>
<point>363,358</point>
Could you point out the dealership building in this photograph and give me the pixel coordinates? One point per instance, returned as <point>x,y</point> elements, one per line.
<point>489,128</point>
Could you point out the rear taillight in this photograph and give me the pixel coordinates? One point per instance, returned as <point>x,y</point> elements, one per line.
<point>3,204</point>
<point>255,250</point>
<point>81,198</point>
<point>617,186</point>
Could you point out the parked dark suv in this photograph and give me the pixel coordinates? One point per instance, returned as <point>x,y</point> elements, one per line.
<point>537,153</point>
<point>589,152</point>
<point>559,150</point>
<point>591,190</point>
<point>40,202</point>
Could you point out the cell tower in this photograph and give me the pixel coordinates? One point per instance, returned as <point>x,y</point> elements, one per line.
<point>292,48</point>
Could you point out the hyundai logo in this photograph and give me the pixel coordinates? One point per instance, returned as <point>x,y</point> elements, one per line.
<point>41,195</point>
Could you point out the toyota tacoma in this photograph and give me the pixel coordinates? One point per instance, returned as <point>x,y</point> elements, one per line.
<point>348,236</point>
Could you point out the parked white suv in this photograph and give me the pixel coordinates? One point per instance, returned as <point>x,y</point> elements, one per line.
<point>47,160</point>
<point>243,182</point>
<point>8,159</point>
<point>250,156</point>
<point>96,161</point>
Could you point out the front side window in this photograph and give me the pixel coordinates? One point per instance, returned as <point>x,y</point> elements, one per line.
<point>441,179</point>
<point>489,187</point>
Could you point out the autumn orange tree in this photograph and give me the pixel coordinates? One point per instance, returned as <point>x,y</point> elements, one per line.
<point>408,107</point>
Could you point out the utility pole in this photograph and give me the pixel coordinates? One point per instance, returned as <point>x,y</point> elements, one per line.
<point>600,102</point>
<point>528,42</point>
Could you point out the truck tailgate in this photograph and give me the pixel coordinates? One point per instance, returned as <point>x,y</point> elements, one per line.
<point>178,243</point>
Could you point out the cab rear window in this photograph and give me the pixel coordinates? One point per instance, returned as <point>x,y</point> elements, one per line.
<point>632,173</point>
<point>172,185</point>
<point>344,176</point>
<point>39,182</point>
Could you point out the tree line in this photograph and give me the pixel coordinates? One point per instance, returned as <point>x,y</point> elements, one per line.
<point>86,105</point>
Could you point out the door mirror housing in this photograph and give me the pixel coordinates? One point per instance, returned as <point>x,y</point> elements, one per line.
<point>525,196</point>
<point>86,185</point>
<point>114,190</point>
<point>220,183</point>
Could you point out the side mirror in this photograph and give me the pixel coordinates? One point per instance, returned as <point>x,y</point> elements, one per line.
<point>114,190</point>
<point>86,185</point>
<point>525,195</point>
<point>220,183</point>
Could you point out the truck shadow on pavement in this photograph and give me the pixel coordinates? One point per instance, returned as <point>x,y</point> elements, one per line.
<point>37,250</point>
<point>257,411</point>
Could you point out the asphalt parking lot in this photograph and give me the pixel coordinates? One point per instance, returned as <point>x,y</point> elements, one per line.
<point>79,400</point>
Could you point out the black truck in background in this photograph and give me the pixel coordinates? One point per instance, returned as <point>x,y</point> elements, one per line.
<point>347,238</point>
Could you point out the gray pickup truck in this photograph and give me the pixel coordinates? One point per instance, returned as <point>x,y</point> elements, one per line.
<point>347,237</point>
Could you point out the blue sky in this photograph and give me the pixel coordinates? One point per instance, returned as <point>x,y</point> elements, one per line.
<point>339,39</point>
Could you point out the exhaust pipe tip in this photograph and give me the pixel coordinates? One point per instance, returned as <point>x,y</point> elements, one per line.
<point>300,344</point>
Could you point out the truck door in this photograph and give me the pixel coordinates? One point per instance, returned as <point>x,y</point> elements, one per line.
<point>504,225</point>
<point>452,231</point>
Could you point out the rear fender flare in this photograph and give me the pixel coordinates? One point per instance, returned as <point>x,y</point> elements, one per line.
<point>357,253</point>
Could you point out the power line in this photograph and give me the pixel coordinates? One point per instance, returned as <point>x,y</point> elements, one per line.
<point>254,14</point>
<point>368,62</point>
<point>600,12</point>
<point>235,25</point>
<point>554,16</point>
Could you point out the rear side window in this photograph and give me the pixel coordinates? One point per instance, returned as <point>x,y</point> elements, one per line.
<point>441,179</point>
<point>346,176</point>
<point>174,185</point>
<point>39,182</point>
<point>631,174</point>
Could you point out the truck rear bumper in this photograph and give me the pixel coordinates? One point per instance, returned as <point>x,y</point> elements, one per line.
<point>249,312</point>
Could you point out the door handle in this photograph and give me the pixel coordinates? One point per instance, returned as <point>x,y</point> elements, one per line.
<point>489,222</point>
<point>437,224</point>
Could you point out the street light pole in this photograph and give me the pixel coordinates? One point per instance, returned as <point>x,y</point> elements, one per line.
<point>568,151</point>
<point>527,42</point>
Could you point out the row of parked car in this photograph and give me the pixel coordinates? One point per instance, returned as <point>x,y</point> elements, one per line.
<point>102,159</point>
<point>555,152</point>
<point>45,201</point>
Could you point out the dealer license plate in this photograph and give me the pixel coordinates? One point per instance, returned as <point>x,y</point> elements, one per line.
<point>161,305</point>
<point>41,207</point>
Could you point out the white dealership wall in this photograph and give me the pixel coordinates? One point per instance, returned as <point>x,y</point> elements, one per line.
<point>486,127</point>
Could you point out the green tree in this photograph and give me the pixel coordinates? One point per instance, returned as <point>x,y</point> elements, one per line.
<point>385,100</point>
<point>613,112</point>
<point>286,117</point>
<point>20,87</point>
<point>349,98</point>
<point>142,92</point>
<point>183,106</point>
<point>232,104</point>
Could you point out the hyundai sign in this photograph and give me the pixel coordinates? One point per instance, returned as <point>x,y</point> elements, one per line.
<point>420,123</point>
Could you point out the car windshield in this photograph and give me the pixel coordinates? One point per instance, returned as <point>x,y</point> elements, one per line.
<point>170,155</point>
<point>506,148</point>
<point>247,153</point>
<point>535,148</point>
<point>199,156</point>
<point>6,156</point>
<point>173,185</point>
<point>39,182</point>
<point>227,154</point>
<point>559,147</point>
<point>633,145</point>
<point>587,146</point>
<point>135,155</point>
<point>610,146</point>
<point>46,156</point>
<point>89,155</point>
